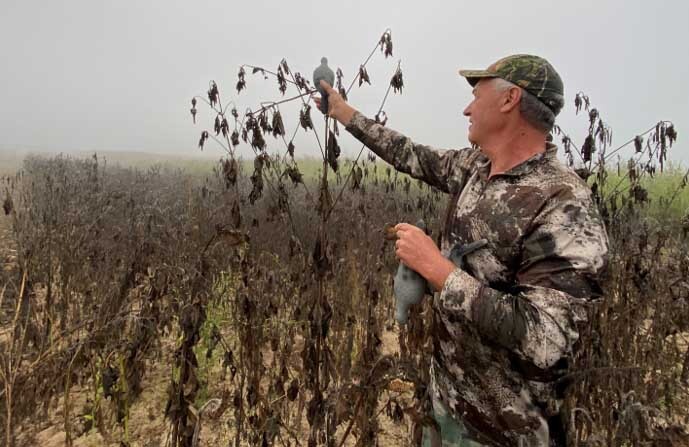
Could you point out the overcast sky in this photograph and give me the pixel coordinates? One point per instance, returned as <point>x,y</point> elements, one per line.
<point>119,75</point>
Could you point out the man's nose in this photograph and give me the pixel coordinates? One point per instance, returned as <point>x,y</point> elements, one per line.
<point>467,111</point>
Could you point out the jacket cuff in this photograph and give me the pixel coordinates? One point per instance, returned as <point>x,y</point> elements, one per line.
<point>357,121</point>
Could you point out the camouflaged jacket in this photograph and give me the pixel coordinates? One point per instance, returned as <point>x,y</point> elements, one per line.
<point>505,326</point>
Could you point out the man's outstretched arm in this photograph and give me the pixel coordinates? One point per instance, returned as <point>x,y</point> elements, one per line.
<point>443,169</point>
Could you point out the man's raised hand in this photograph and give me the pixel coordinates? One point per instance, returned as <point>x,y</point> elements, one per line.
<point>337,106</point>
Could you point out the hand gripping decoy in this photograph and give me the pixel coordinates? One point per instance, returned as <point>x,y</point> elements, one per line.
<point>410,287</point>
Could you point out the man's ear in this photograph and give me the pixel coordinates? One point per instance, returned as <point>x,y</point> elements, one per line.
<point>511,99</point>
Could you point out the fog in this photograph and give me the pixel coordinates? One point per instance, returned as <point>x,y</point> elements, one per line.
<point>88,75</point>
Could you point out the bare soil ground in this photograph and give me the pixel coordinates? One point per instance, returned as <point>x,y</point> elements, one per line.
<point>147,426</point>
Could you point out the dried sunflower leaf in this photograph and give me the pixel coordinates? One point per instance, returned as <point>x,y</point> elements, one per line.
<point>389,232</point>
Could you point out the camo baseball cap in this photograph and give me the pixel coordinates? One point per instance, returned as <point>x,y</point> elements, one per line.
<point>534,74</point>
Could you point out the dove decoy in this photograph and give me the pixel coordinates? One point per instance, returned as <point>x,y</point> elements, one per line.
<point>323,72</point>
<point>410,287</point>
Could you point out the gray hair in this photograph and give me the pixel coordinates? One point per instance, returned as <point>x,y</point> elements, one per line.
<point>531,108</point>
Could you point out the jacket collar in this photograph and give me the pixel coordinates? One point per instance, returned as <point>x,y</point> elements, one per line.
<point>522,168</point>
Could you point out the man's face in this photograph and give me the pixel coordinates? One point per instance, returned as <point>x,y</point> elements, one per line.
<point>484,111</point>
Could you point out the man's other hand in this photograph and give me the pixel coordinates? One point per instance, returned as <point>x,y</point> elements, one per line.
<point>418,252</point>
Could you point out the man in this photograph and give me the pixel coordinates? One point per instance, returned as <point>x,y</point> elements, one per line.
<point>505,326</point>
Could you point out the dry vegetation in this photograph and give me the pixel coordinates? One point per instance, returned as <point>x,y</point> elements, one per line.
<point>256,308</point>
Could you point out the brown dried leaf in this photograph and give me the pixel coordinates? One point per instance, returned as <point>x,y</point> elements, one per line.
<point>671,133</point>
<point>397,82</point>
<point>230,171</point>
<point>7,205</point>
<point>232,237</point>
<point>213,94</point>
<point>282,81</point>
<point>363,76</point>
<point>305,117</point>
<point>389,232</point>
<point>241,82</point>
<point>204,137</point>
<point>278,126</point>
<point>293,390</point>
<point>216,125</point>
<point>333,152</point>
<point>385,43</point>
<point>302,84</point>
<point>588,148</point>
<point>293,173</point>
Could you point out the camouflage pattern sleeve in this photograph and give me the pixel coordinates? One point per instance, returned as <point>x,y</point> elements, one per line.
<point>445,170</point>
<point>562,254</point>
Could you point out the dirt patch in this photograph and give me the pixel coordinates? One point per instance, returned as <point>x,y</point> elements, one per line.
<point>148,427</point>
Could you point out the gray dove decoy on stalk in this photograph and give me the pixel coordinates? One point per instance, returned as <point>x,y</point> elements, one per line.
<point>325,73</point>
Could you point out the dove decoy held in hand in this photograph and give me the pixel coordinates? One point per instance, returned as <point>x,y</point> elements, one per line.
<point>325,73</point>
<point>410,287</point>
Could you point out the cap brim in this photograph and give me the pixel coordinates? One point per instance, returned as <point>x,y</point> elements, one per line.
<point>473,76</point>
